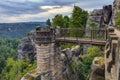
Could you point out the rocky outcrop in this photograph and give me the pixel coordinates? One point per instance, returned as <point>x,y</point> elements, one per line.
<point>116,4</point>
<point>67,55</point>
<point>101,16</point>
<point>116,10</point>
<point>107,14</point>
<point>112,58</point>
<point>95,16</point>
<point>27,46</point>
<point>32,75</point>
<point>97,69</point>
<point>60,66</point>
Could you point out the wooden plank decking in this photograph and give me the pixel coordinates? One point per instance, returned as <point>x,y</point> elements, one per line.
<point>81,41</point>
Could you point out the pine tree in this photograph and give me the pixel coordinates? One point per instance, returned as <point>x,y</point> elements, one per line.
<point>78,20</point>
<point>58,20</point>
<point>66,22</point>
<point>48,22</point>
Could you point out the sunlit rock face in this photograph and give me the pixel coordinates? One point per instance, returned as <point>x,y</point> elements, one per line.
<point>116,4</point>
<point>100,16</point>
<point>95,16</point>
<point>116,10</point>
<point>97,69</point>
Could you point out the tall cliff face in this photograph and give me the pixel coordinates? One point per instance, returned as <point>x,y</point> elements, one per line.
<point>50,59</point>
<point>27,46</point>
<point>101,16</point>
<point>95,16</point>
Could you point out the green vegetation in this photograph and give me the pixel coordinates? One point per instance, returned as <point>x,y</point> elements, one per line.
<point>77,20</point>
<point>82,67</point>
<point>48,22</point>
<point>58,20</point>
<point>8,48</point>
<point>18,30</point>
<point>93,24</point>
<point>67,45</point>
<point>10,67</point>
<point>66,22</point>
<point>117,21</point>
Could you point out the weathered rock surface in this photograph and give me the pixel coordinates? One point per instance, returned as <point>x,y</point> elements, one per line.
<point>107,13</point>
<point>117,4</point>
<point>100,16</point>
<point>112,58</point>
<point>67,56</point>
<point>60,66</point>
<point>95,16</point>
<point>97,69</point>
<point>27,46</point>
<point>32,75</point>
<point>116,10</point>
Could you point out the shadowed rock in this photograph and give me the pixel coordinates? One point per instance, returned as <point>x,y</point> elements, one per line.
<point>107,13</point>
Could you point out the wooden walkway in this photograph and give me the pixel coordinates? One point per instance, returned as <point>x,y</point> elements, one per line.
<point>81,41</point>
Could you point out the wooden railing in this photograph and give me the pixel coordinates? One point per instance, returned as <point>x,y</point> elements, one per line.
<point>98,34</point>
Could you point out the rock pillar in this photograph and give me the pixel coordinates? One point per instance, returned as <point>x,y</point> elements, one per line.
<point>45,50</point>
<point>112,56</point>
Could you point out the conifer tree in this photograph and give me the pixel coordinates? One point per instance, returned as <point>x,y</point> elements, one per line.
<point>48,22</point>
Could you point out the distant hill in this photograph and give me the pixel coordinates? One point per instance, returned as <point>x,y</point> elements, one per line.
<point>18,30</point>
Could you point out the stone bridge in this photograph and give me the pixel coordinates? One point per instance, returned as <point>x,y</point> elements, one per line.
<point>46,43</point>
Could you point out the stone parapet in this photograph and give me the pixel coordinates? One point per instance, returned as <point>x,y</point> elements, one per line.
<point>112,56</point>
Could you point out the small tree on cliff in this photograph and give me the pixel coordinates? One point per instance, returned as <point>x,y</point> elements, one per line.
<point>78,20</point>
<point>117,21</point>
<point>48,22</point>
<point>58,20</point>
<point>66,22</point>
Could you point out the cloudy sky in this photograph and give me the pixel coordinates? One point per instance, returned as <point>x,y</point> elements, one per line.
<point>40,10</point>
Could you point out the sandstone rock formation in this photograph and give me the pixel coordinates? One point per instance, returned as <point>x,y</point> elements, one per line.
<point>112,57</point>
<point>107,14</point>
<point>97,69</point>
<point>60,66</point>
<point>116,4</point>
<point>116,10</point>
<point>95,16</point>
<point>67,55</point>
<point>32,75</point>
<point>27,46</point>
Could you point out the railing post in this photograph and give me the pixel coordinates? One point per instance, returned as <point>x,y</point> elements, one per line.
<point>76,34</point>
<point>106,34</point>
<point>91,35</point>
<point>64,33</point>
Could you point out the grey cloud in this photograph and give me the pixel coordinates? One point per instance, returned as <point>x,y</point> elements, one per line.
<point>17,7</point>
<point>14,8</point>
<point>28,7</point>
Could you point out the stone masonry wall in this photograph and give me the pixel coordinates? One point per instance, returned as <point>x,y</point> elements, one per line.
<point>112,56</point>
<point>43,61</point>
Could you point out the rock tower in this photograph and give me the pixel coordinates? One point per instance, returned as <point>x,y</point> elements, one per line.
<point>48,57</point>
<point>45,50</point>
